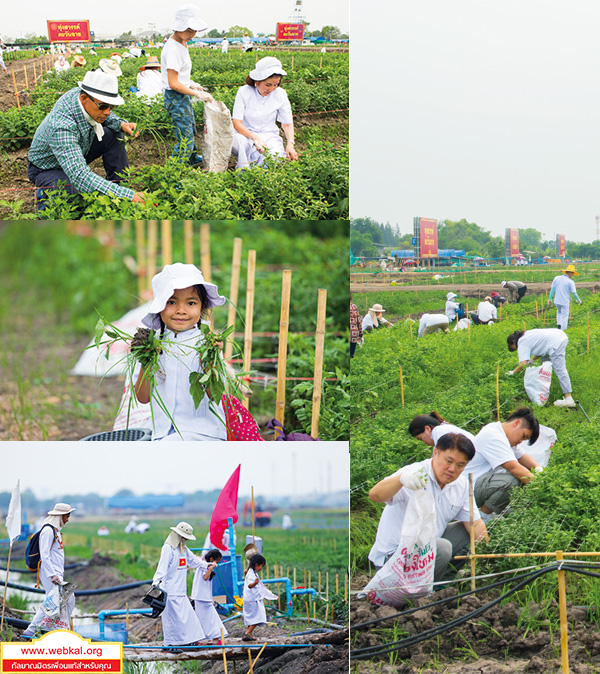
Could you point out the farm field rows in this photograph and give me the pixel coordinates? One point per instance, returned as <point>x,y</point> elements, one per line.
<point>394,378</point>
<point>315,187</point>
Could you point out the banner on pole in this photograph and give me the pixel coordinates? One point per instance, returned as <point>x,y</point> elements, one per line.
<point>69,31</point>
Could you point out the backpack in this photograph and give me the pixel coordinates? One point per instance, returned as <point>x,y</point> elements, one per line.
<point>460,312</point>
<point>240,423</point>
<point>32,552</point>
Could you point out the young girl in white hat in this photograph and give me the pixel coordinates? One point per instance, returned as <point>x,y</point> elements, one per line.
<point>181,299</point>
<point>180,626</point>
<point>258,106</point>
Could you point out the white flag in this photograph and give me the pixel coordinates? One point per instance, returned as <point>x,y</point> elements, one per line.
<point>13,519</point>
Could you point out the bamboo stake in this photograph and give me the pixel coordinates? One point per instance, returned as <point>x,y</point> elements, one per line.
<point>318,371</point>
<point>250,659</point>
<point>141,267</point>
<point>337,583</point>
<point>314,610</point>
<point>471,530</point>
<point>267,569</point>
<point>259,653</point>
<point>498,391</point>
<point>152,243</point>
<point>536,310</point>
<point>205,250</point>
<point>224,651</point>
<point>411,334</point>
<point>5,586</point>
<point>401,386</point>
<point>562,605</point>
<point>233,292</point>
<point>319,582</point>
<point>167,242</point>
<point>307,612</point>
<point>309,580</point>
<point>326,611</point>
<point>327,586</point>
<point>16,90</point>
<point>588,333</point>
<point>188,241</point>
<point>249,318</point>
<point>253,514</point>
<point>34,74</point>
<point>304,577</point>
<point>282,356</point>
<point>127,616</point>
<point>26,79</point>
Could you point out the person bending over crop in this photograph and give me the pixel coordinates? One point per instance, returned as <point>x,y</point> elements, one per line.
<point>374,319</point>
<point>442,475</point>
<point>516,289</point>
<point>545,344</point>
<point>433,323</point>
<point>178,87</point>
<point>499,465</point>
<point>181,299</point>
<point>80,128</point>
<point>180,626</point>
<point>258,106</point>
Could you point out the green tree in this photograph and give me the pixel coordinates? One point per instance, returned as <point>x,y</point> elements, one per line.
<point>361,245</point>
<point>239,31</point>
<point>214,33</point>
<point>126,37</point>
<point>331,32</point>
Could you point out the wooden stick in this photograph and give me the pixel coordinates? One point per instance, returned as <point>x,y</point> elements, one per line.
<point>167,242</point>
<point>401,386</point>
<point>26,79</point>
<point>188,241</point>
<point>249,316</point>
<point>233,291</point>
<point>337,583</point>
<point>309,579</point>
<point>319,582</point>
<point>588,333</point>
<point>152,243</point>
<point>16,90</point>
<point>471,531</point>
<point>224,651</point>
<point>250,659</point>
<point>259,653</point>
<point>327,585</point>
<point>282,355</point>
<point>318,371</point>
<point>34,74</point>
<point>127,616</point>
<point>497,392</point>
<point>536,310</point>
<point>141,258</point>
<point>205,250</point>
<point>307,611</point>
<point>562,605</point>
<point>326,611</point>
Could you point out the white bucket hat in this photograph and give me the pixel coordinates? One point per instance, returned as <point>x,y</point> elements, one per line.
<point>449,296</point>
<point>188,16</point>
<point>61,509</point>
<point>266,67</point>
<point>377,308</point>
<point>174,277</point>
<point>185,530</point>
<point>102,86</point>
<point>503,284</point>
<point>110,66</point>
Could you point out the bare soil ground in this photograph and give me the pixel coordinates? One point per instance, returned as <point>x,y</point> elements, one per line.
<point>7,89</point>
<point>490,644</point>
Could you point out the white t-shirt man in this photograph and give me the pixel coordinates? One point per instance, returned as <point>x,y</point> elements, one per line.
<point>563,287</point>
<point>451,503</point>
<point>486,311</point>
<point>492,449</point>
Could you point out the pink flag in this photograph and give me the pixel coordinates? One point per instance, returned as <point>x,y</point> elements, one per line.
<point>225,507</point>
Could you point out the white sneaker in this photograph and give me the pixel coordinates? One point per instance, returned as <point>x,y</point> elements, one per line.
<point>565,402</point>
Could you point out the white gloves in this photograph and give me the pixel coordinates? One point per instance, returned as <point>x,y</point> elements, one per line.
<point>538,469</point>
<point>414,479</point>
<point>509,373</point>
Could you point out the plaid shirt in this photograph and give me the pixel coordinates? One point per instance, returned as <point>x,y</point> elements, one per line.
<point>63,140</point>
<point>355,324</point>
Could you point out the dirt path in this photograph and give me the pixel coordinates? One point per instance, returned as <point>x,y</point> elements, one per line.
<point>20,68</point>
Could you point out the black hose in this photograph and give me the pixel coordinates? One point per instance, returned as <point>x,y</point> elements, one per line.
<point>321,630</point>
<point>83,593</point>
<point>16,622</point>
<point>423,636</point>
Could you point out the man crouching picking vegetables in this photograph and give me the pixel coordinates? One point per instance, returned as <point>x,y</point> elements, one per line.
<point>442,477</point>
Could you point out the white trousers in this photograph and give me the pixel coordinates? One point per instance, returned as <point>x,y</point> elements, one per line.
<point>247,154</point>
<point>562,315</point>
<point>557,358</point>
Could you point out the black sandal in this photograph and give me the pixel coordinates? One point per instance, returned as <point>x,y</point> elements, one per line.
<point>248,637</point>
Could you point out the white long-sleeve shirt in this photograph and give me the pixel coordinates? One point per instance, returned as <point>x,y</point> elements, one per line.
<point>171,572</point>
<point>52,553</point>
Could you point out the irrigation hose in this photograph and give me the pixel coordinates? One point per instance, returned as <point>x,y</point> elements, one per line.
<point>423,636</point>
<point>83,593</point>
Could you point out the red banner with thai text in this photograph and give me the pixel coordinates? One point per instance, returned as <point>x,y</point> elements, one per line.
<point>428,237</point>
<point>289,31</point>
<point>561,245</point>
<point>69,31</point>
<point>513,241</point>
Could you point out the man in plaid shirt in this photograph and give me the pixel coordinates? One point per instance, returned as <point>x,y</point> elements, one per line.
<point>355,328</point>
<point>80,128</point>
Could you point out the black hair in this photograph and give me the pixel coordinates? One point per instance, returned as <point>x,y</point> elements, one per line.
<point>213,555</point>
<point>252,83</point>
<point>417,425</point>
<point>513,340</point>
<point>256,560</point>
<point>525,414</point>
<point>456,441</point>
<point>204,305</point>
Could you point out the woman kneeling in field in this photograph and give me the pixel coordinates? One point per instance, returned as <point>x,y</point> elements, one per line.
<point>258,106</point>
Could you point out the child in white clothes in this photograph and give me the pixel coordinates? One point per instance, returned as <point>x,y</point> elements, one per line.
<point>203,598</point>
<point>181,299</point>
<point>254,594</point>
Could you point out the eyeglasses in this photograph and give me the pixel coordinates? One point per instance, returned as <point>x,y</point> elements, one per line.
<point>101,106</point>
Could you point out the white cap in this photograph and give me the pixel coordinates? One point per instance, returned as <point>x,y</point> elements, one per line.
<point>449,296</point>
<point>174,277</point>
<point>188,16</point>
<point>266,67</point>
<point>101,86</point>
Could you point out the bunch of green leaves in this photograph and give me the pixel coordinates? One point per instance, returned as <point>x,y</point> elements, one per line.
<point>215,380</point>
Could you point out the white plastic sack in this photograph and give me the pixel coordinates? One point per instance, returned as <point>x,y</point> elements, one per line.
<point>51,604</point>
<point>218,137</point>
<point>463,324</point>
<point>63,603</point>
<point>542,447</point>
<point>409,571</point>
<point>537,383</point>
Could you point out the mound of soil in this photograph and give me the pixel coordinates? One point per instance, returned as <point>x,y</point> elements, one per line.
<point>492,643</point>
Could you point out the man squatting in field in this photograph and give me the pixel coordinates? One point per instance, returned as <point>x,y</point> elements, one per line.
<point>80,128</point>
<point>442,476</point>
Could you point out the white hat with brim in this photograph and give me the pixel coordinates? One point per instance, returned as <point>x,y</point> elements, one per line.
<point>61,509</point>
<point>188,16</point>
<point>174,277</point>
<point>449,296</point>
<point>101,86</point>
<point>377,308</point>
<point>503,284</point>
<point>110,66</point>
<point>265,68</point>
<point>185,530</point>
